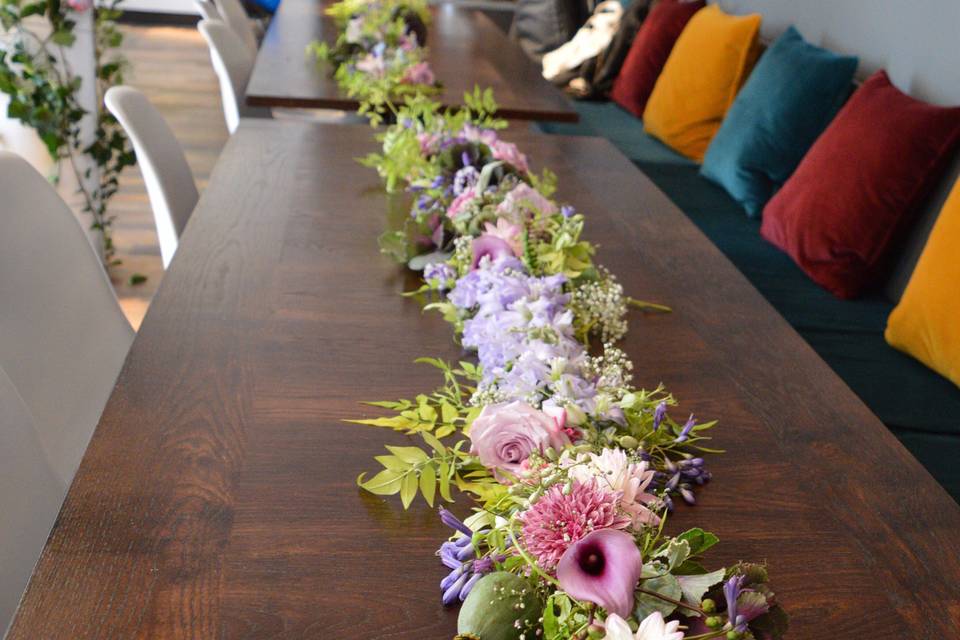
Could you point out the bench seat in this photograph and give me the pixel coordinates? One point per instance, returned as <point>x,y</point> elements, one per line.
<point>919,406</point>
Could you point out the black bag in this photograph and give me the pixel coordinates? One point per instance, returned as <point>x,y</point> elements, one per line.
<point>597,75</point>
<point>540,26</point>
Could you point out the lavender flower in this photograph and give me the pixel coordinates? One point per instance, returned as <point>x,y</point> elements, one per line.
<point>731,592</point>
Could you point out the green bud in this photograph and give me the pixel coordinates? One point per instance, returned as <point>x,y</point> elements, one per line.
<point>733,635</point>
<point>714,622</point>
<point>708,605</point>
<point>629,442</point>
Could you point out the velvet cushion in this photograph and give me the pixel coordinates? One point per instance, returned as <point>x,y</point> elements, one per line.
<point>705,70</point>
<point>926,323</point>
<point>858,189</point>
<point>791,96</point>
<point>649,52</point>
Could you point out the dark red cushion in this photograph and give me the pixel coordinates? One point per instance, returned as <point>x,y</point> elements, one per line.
<point>858,189</point>
<point>649,52</point>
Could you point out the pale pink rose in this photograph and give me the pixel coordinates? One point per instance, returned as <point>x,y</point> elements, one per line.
<point>504,435</point>
<point>522,202</point>
<point>429,143</point>
<point>460,203</point>
<point>473,133</point>
<point>374,65</point>
<point>420,73</point>
<point>509,153</point>
<point>510,233</point>
<point>80,5</point>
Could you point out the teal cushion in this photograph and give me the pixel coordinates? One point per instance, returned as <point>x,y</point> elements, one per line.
<point>792,95</point>
<point>920,407</point>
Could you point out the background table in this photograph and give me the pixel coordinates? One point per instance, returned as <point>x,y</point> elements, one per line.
<point>217,498</point>
<point>466,50</point>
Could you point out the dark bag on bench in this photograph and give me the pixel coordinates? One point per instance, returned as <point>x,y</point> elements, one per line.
<point>597,75</point>
<point>540,26</point>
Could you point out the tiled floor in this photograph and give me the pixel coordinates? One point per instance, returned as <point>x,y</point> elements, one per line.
<point>172,67</point>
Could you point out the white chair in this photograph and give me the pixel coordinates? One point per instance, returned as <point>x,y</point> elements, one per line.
<point>233,64</point>
<point>208,10</point>
<point>63,337</point>
<point>170,185</point>
<point>235,17</point>
<point>30,497</point>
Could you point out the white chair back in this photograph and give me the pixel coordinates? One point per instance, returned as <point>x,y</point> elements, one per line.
<point>233,64</point>
<point>170,185</point>
<point>235,16</point>
<point>63,337</point>
<point>30,497</point>
<point>208,10</point>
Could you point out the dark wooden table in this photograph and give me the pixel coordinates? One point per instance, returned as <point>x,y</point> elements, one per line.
<point>466,50</point>
<point>217,497</point>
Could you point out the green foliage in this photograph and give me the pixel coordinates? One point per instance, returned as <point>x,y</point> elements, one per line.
<point>44,95</point>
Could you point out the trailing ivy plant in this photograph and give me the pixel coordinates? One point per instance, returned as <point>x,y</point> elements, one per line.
<point>44,91</point>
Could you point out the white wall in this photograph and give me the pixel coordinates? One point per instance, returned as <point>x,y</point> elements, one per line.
<point>916,41</point>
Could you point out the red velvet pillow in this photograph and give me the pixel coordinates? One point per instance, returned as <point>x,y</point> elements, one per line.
<point>649,52</point>
<point>859,187</point>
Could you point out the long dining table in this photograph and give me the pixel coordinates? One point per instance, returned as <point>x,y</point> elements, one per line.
<point>217,498</point>
<point>465,50</point>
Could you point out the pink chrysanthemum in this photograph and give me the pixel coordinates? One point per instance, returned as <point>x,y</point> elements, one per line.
<point>557,520</point>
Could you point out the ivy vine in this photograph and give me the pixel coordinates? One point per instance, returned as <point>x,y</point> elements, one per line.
<point>44,91</point>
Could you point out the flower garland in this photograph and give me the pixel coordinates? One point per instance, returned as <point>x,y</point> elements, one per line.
<point>572,469</point>
<point>379,55</point>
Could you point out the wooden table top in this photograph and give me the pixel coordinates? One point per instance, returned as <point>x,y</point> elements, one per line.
<point>466,49</point>
<point>217,497</point>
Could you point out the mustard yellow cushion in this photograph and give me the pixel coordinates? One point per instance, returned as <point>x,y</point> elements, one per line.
<point>706,68</point>
<point>926,323</point>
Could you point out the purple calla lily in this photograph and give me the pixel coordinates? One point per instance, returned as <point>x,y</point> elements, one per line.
<point>492,246</point>
<point>604,568</point>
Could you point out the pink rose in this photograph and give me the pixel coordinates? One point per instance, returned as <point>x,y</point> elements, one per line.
<point>504,435</point>
<point>509,153</point>
<point>420,73</point>
<point>460,203</point>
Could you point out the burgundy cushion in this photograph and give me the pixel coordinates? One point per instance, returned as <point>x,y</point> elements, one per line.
<point>857,191</point>
<point>649,52</point>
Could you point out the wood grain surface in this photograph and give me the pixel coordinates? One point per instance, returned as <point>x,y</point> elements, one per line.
<point>466,49</point>
<point>217,498</point>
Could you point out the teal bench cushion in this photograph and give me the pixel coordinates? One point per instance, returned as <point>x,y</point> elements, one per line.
<point>919,406</point>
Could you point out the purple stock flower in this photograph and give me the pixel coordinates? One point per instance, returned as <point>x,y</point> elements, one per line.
<point>442,272</point>
<point>604,568</point>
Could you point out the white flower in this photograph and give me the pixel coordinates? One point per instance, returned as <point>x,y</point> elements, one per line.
<point>652,628</point>
<point>616,472</point>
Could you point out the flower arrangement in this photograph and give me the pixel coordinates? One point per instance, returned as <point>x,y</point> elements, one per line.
<point>573,471</point>
<point>379,54</point>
